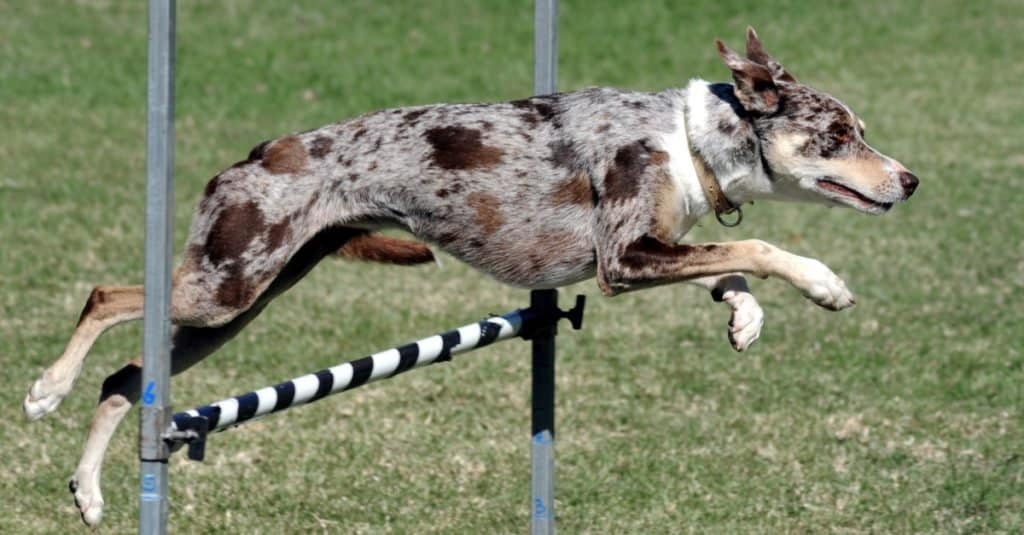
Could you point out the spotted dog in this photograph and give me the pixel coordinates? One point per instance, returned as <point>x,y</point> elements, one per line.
<point>538,193</point>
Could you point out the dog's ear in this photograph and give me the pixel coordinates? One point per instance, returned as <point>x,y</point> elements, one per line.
<point>757,54</point>
<point>755,87</point>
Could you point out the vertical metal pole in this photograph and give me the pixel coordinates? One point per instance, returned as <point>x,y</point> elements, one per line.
<point>545,46</point>
<point>153,421</point>
<point>542,503</point>
<point>544,303</point>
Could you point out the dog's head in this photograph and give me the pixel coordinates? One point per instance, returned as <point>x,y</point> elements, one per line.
<point>813,145</point>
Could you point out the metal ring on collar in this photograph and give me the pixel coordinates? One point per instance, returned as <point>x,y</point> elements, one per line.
<point>724,223</point>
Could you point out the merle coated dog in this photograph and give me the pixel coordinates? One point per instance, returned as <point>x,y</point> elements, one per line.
<point>538,193</point>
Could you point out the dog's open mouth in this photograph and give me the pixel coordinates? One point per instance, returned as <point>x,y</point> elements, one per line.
<point>851,196</point>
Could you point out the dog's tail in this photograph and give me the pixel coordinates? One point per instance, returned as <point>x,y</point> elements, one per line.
<point>386,250</point>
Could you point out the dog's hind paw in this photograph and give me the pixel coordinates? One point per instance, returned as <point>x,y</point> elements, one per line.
<point>42,399</point>
<point>89,503</point>
<point>825,288</point>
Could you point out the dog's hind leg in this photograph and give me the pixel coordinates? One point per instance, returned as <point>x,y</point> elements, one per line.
<point>189,345</point>
<point>121,390</point>
<point>107,306</point>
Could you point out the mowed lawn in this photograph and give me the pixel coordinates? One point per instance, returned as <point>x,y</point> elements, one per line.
<point>902,415</point>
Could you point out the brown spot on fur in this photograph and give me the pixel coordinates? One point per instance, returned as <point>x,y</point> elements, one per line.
<point>658,157</point>
<point>412,118</point>
<point>238,292</point>
<point>359,133</point>
<point>385,249</point>
<point>563,154</point>
<point>667,214</point>
<point>278,233</point>
<point>623,178</point>
<point>834,141</point>
<point>234,291</point>
<point>284,156</point>
<point>456,147</point>
<point>545,110</point>
<point>487,212</point>
<point>352,177</point>
<point>603,128</point>
<point>454,187</point>
<point>537,109</point>
<point>211,186</point>
<point>233,231</point>
<point>373,167</point>
<point>573,191</point>
<point>320,147</point>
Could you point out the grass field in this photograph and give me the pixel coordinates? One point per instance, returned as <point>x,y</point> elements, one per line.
<point>902,415</point>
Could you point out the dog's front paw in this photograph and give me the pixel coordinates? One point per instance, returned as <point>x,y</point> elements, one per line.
<point>825,288</point>
<point>746,320</point>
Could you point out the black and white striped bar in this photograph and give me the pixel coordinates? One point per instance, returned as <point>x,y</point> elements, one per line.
<point>389,363</point>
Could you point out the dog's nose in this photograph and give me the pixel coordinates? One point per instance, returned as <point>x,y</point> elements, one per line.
<point>909,182</point>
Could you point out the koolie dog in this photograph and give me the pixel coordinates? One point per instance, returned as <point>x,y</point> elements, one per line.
<point>538,193</point>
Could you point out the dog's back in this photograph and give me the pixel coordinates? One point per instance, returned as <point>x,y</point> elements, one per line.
<point>510,188</point>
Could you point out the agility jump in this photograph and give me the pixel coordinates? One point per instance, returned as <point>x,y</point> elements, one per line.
<point>537,322</point>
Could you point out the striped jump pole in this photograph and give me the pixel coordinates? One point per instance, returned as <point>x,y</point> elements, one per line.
<point>190,427</point>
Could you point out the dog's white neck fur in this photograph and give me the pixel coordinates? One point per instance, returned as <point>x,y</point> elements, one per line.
<point>740,184</point>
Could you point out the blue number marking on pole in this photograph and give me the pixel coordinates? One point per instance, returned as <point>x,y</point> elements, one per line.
<point>149,395</point>
<point>149,497</point>
<point>539,510</point>
<point>148,483</point>
<point>542,438</point>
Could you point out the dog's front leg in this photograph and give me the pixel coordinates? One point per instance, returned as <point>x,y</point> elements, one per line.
<point>747,318</point>
<point>648,261</point>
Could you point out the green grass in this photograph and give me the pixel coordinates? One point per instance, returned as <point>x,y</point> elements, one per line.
<point>902,415</point>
